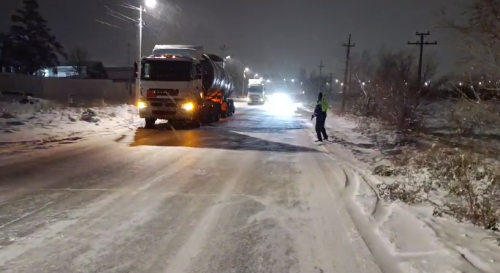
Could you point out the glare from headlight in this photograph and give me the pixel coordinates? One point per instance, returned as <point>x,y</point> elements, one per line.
<point>141,105</point>
<point>189,106</point>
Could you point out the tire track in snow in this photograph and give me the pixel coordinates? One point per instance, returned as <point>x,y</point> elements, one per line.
<point>381,211</point>
<point>366,228</point>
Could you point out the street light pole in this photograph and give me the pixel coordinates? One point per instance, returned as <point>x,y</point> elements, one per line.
<point>140,42</point>
<point>151,4</point>
<point>243,81</point>
<point>139,52</point>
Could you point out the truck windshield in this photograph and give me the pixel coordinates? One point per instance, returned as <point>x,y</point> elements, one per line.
<point>161,70</point>
<point>256,89</point>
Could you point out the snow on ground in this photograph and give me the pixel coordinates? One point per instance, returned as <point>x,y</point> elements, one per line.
<point>39,121</point>
<point>421,241</point>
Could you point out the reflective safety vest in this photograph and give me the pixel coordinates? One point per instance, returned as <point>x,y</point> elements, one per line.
<point>324,105</point>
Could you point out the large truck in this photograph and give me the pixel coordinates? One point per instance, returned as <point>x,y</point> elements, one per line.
<point>181,84</point>
<point>256,91</point>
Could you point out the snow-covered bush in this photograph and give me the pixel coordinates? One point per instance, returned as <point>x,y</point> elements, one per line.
<point>89,115</point>
<point>474,117</point>
<point>460,184</point>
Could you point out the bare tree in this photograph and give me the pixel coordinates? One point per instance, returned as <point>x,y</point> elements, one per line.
<point>479,30</point>
<point>480,33</point>
<point>387,87</point>
<point>78,58</point>
<point>361,97</point>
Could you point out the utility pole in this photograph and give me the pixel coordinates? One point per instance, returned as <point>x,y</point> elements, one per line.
<point>330,84</point>
<point>319,79</point>
<point>128,54</point>
<point>421,43</point>
<point>347,61</point>
<point>223,49</point>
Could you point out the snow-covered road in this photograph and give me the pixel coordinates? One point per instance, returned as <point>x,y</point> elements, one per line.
<point>251,194</point>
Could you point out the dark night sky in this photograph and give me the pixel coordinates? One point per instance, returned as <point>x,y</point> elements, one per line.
<point>267,35</point>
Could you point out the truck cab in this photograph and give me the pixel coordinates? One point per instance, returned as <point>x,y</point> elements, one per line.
<point>175,85</point>
<point>256,92</point>
<point>169,88</point>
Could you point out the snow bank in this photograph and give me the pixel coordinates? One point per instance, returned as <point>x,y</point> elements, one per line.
<point>414,235</point>
<point>38,120</point>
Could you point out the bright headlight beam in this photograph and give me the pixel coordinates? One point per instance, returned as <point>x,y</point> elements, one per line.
<point>189,106</point>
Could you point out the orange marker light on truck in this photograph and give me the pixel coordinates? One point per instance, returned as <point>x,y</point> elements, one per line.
<point>189,106</point>
<point>141,105</point>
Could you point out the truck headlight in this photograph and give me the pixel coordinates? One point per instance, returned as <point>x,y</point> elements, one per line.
<point>141,105</point>
<point>188,106</point>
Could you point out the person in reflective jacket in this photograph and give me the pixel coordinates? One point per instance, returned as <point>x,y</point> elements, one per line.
<point>320,114</point>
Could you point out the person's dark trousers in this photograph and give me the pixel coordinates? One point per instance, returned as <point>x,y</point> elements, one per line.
<point>320,127</point>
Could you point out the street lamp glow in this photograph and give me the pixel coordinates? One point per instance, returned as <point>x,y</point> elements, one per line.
<point>256,75</point>
<point>227,58</point>
<point>246,69</point>
<point>293,80</point>
<point>150,3</point>
<point>336,80</point>
<point>268,80</point>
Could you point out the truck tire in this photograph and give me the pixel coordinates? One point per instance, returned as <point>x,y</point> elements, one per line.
<point>149,123</point>
<point>195,124</point>
<point>203,119</point>
<point>174,123</point>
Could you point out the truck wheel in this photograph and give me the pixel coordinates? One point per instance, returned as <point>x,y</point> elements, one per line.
<point>203,119</point>
<point>149,123</point>
<point>174,123</point>
<point>194,124</point>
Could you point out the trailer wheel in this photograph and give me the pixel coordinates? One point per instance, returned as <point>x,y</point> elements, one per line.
<point>233,108</point>
<point>149,123</point>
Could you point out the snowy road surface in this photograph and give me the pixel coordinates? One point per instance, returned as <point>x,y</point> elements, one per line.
<point>250,194</point>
